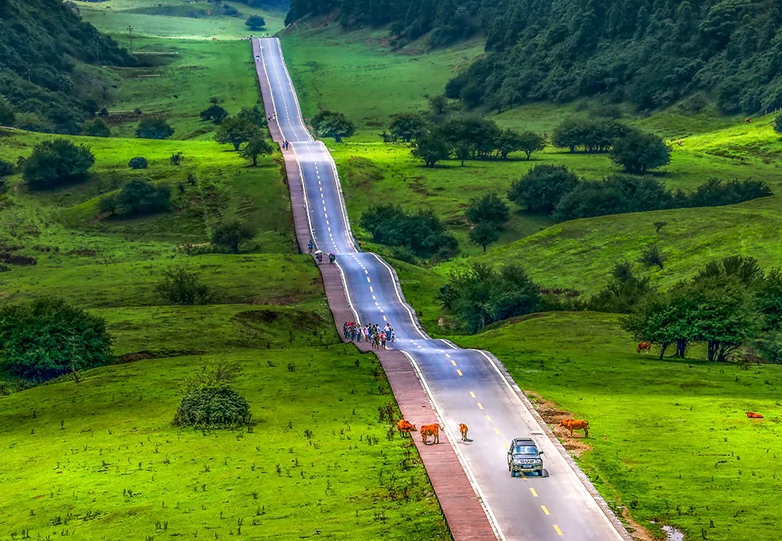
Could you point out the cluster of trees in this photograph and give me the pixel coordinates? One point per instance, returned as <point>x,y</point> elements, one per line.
<point>41,44</point>
<point>469,138</point>
<point>730,303</point>
<point>137,198</point>
<point>55,163</point>
<point>255,22</point>
<point>47,338</point>
<point>333,125</point>
<point>420,231</point>
<point>246,128</point>
<point>554,190</point>
<point>154,128</point>
<point>631,148</point>
<point>482,294</point>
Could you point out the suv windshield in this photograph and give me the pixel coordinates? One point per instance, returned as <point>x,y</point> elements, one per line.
<point>526,450</point>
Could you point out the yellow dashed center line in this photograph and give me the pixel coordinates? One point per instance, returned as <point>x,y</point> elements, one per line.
<point>459,372</point>
<point>497,430</point>
<point>453,363</point>
<point>556,529</point>
<point>533,492</point>
<point>545,510</point>
<point>488,418</point>
<point>472,394</point>
<point>480,406</point>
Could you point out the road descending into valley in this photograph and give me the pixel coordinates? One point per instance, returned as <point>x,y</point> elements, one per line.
<point>465,386</point>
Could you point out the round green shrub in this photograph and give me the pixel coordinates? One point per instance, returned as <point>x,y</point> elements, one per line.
<point>138,162</point>
<point>213,406</point>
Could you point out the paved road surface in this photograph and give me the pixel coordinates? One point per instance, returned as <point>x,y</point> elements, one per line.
<point>466,386</point>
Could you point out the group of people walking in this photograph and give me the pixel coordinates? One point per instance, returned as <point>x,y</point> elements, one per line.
<point>371,332</point>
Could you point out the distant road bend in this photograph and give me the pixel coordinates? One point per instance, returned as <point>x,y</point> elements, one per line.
<point>465,386</point>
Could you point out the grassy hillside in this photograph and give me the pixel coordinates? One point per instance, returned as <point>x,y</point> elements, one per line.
<point>188,60</point>
<point>101,459</point>
<point>49,64</point>
<point>670,440</point>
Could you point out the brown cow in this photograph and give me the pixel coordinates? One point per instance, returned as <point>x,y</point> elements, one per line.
<point>430,430</point>
<point>405,427</point>
<point>575,424</point>
<point>753,415</point>
<point>463,429</point>
<point>646,347</point>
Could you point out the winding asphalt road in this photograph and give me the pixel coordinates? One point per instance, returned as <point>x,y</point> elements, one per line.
<point>466,386</point>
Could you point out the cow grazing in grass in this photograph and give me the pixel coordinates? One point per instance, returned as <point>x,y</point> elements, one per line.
<point>575,424</point>
<point>646,347</point>
<point>405,427</point>
<point>753,415</point>
<point>430,430</point>
<point>463,429</point>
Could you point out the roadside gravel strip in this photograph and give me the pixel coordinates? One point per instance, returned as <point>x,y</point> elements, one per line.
<point>432,380</point>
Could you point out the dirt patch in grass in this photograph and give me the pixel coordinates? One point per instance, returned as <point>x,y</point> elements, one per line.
<point>553,415</point>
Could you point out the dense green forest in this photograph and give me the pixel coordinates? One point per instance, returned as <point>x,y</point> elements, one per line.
<point>44,47</point>
<point>651,53</point>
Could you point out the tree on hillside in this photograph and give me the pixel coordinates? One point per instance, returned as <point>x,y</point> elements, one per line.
<point>215,113</point>
<point>638,152</point>
<point>529,142</point>
<point>512,141</point>
<point>334,125</point>
<point>481,294</point>
<point>431,149</point>
<point>96,127</point>
<point>6,169</point>
<point>231,235</point>
<point>484,234</point>
<point>590,135</point>
<point>438,104</point>
<point>652,256</point>
<point>255,22</point>
<point>542,187</point>
<point>47,338</point>
<point>488,209</point>
<point>623,293</point>
<point>154,128</point>
<point>181,286</point>
<point>407,126</point>
<point>56,162</point>
<point>777,122</point>
<point>236,131</point>
<point>7,115</point>
<point>140,198</point>
<point>256,147</point>
<point>254,114</point>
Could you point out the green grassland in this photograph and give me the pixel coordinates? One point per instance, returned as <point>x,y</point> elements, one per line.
<point>100,459</point>
<point>187,61</point>
<point>670,439</point>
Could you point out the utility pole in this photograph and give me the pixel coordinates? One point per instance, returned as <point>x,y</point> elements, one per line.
<point>130,33</point>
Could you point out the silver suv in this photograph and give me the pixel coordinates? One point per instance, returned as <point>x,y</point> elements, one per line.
<point>524,456</point>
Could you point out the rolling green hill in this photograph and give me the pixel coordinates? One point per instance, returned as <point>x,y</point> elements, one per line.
<point>49,64</point>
